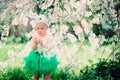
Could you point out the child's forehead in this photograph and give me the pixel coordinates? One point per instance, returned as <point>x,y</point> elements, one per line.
<point>41,24</point>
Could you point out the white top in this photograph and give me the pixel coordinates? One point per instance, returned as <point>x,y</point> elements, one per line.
<point>47,41</point>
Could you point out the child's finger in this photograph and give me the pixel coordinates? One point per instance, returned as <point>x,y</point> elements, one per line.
<point>40,42</point>
<point>36,40</point>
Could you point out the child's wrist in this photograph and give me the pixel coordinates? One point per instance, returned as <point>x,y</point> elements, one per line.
<point>35,43</point>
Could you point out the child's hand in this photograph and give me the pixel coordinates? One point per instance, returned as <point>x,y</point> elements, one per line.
<point>34,43</point>
<point>40,42</point>
<point>36,40</point>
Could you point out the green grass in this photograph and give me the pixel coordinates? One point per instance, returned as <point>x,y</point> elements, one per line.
<point>3,52</point>
<point>5,48</point>
<point>84,56</point>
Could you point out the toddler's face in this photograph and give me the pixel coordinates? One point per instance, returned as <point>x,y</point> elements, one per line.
<point>41,29</point>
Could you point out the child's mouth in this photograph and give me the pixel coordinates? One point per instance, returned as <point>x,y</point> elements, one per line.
<point>40,33</point>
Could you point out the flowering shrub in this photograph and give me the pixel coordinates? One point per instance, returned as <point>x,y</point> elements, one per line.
<point>103,70</point>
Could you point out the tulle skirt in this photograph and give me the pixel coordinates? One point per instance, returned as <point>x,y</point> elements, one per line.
<point>39,63</point>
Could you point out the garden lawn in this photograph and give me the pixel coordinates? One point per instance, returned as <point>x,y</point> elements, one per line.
<point>16,48</point>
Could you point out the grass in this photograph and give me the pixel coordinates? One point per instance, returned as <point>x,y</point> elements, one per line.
<point>16,48</point>
<point>81,58</point>
<point>84,56</point>
<point>67,56</point>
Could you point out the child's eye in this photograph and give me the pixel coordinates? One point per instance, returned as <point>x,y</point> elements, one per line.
<point>42,28</point>
<point>37,28</point>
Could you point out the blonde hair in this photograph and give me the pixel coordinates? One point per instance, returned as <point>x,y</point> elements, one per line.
<point>41,23</point>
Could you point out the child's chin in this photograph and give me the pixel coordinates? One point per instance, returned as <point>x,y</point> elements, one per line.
<point>41,34</point>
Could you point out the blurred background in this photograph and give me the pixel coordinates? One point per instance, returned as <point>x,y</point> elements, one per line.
<point>86,35</point>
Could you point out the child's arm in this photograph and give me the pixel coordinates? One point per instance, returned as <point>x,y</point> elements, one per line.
<point>34,46</point>
<point>34,43</point>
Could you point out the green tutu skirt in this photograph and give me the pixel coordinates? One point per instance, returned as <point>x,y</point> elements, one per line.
<point>39,63</point>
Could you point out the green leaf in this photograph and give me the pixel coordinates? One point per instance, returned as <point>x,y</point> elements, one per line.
<point>77,0</point>
<point>113,23</point>
<point>50,7</point>
<point>38,9</point>
<point>60,1</point>
<point>43,11</point>
<point>62,8</point>
<point>88,8</point>
<point>91,17</point>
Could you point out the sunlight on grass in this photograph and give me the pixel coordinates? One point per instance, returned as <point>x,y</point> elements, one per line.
<point>6,49</point>
<point>3,52</point>
<point>78,56</point>
<point>73,55</point>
